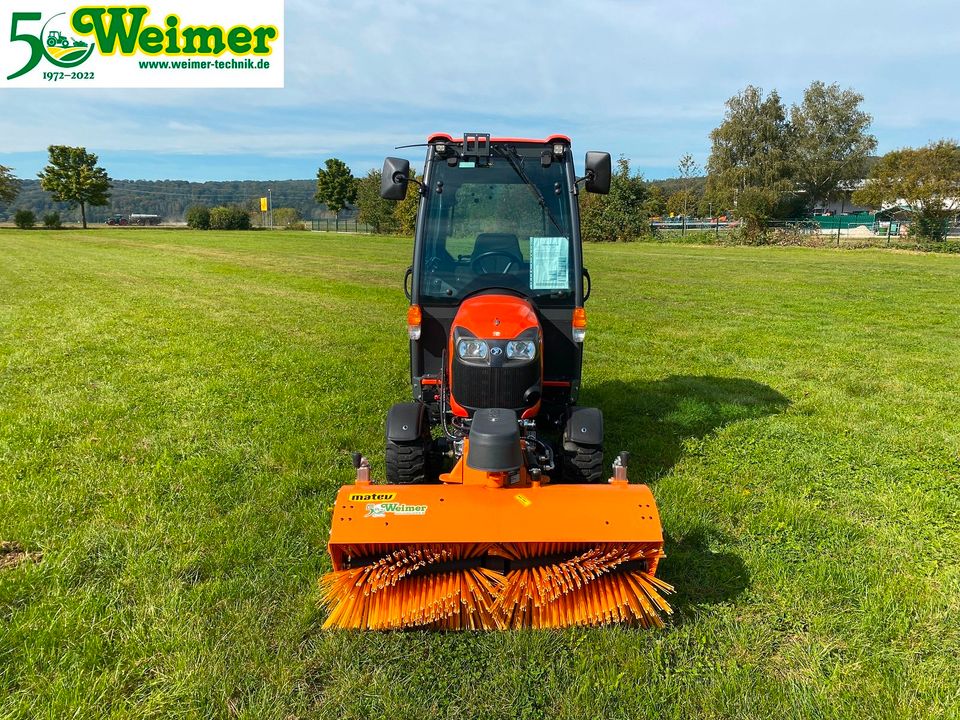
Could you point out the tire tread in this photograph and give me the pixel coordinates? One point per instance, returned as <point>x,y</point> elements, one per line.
<point>406,462</point>
<point>584,464</point>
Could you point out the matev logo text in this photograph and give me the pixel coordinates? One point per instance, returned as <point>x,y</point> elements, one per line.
<point>215,43</point>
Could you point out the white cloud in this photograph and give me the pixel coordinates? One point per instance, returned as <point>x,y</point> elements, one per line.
<point>648,79</point>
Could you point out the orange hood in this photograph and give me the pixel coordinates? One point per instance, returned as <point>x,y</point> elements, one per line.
<point>492,317</point>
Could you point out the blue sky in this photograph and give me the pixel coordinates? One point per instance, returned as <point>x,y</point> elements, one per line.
<point>644,79</point>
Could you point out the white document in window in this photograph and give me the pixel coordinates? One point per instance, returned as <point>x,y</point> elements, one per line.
<point>549,263</point>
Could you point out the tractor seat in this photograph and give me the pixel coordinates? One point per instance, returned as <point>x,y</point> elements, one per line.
<point>497,242</point>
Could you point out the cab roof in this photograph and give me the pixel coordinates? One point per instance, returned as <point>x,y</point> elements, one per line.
<point>446,137</point>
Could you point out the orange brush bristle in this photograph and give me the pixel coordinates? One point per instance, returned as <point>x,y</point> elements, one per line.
<point>443,587</point>
<point>457,587</point>
<point>560,584</point>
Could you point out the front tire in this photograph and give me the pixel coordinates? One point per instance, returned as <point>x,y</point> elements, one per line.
<point>583,446</point>
<point>408,443</point>
<point>582,463</point>
<point>406,462</point>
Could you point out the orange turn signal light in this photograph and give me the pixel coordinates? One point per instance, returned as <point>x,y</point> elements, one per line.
<point>579,324</point>
<point>414,318</point>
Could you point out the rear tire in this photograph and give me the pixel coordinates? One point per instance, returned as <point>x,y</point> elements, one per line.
<point>406,462</point>
<point>582,463</point>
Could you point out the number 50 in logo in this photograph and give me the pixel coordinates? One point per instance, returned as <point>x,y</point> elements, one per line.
<point>54,43</point>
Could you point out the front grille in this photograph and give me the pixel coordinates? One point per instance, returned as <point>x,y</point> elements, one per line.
<point>493,387</point>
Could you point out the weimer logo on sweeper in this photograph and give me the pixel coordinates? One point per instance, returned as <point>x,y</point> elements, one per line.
<point>379,510</point>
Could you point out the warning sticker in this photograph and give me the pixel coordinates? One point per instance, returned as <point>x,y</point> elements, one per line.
<point>523,500</point>
<point>549,263</point>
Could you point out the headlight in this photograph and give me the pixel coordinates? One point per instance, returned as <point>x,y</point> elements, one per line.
<point>521,350</point>
<point>472,349</point>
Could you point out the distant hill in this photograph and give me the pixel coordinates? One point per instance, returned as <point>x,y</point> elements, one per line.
<point>170,198</point>
<point>671,185</point>
<point>699,184</point>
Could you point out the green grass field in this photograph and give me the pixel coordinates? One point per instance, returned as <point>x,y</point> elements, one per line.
<point>177,409</point>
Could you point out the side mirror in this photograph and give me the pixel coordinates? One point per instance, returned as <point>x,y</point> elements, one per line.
<point>393,179</point>
<point>598,171</point>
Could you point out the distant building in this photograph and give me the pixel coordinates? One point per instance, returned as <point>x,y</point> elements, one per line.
<point>844,206</point>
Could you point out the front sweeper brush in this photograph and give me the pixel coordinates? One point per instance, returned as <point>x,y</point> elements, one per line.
<point>496,513</point>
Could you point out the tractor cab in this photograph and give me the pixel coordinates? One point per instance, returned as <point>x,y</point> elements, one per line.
<point>497,286</point>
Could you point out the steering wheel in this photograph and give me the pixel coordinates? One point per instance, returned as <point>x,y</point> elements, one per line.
<point>477,262</point>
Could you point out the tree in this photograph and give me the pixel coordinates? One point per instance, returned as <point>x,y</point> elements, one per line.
<point>688,169</point>
<point>73,176</point>
<point>749,169</point>
<point>655,205</point>
<point>51,221</point>
<point>619,216</point>
<point>405,211</point>
<point>24,219</point>
<point>927,179</point>
<point>628,193</point>
<point>680,202</point>
<point>373,209</point>
<point>198,217</point>
<point>9,185</point>
<point>831,142</point>
<point>287,217</point>
<point>232,217</point>
<point>336,186</point>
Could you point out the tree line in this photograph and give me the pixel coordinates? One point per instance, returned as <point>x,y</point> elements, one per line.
<point>766,163</point>
<point>769,164</point>
<point>72,176</point>
<point>74,180</point>
<point>170,199</point>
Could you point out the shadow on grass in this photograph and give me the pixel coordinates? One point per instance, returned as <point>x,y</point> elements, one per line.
<point>654,420</point>
<point>699,575</point>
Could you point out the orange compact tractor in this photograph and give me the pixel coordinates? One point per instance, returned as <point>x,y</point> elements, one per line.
<point>496,512</point>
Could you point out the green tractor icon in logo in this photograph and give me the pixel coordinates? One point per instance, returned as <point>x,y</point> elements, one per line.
<point>55,38</point>
<point>61,50</point>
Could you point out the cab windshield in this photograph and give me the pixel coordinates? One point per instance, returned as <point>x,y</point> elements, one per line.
<point>488,227</point>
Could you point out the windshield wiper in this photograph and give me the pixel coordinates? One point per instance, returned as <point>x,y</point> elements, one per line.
<point>510,156</point>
